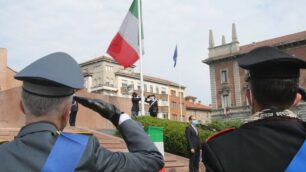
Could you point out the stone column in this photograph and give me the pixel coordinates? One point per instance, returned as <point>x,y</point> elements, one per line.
<point>213,86</point>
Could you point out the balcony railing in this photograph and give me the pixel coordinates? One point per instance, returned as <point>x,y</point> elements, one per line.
<point>163,97</point>
<point>98,87</point>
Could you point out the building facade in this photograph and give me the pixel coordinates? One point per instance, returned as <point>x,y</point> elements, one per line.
<point>7,74</point>
<point>201,112</point>
<point>105,76</point>
<point>227,78</point>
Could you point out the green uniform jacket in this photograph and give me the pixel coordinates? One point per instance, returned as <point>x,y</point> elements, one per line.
<point>29,151</point>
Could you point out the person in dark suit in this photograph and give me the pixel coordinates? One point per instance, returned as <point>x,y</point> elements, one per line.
<point>135,104</point>
<point>274,138</point>
<point>47,92</point>
<point>73,113</point>
<point>193,144</point>
<point>153,109</point>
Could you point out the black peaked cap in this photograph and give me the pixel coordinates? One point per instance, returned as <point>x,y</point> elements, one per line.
<point>270,62</point>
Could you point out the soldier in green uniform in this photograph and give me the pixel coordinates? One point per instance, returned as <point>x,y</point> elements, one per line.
<point>46,98</point>
<point>274,138</point>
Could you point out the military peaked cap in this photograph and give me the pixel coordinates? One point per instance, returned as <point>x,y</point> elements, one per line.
<point>270,62</point>
<point>54,75</point>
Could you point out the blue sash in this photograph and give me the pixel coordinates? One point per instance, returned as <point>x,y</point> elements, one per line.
<point>298,163</point>
<point>66,153</point>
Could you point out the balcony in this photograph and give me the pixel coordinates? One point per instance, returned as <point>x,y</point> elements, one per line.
<point>162,97</point>
<point>109,87</point>
<point>224,89</point>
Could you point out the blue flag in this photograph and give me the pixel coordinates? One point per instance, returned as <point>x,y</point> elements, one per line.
<point>175,56</point>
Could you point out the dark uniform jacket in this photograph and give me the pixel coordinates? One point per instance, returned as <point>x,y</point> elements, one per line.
<point>264,145</point>
<point>29,151</point>
<point>193,139</point>
<point>135,102</point>
<point>153,109</point>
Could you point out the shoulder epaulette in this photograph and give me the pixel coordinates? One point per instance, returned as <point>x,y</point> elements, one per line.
<point>219,133</point>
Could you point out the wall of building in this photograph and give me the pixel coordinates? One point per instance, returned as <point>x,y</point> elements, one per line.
<point>202,116</point>
<point>102,73</point>
<point>7,80</point>
<point>175,109</point>
<point>299,51</point>
<point>237,85</point>
<point>3,67</point>
<point>176,97</point>
<point>221,87</point>
<point>12,116</point>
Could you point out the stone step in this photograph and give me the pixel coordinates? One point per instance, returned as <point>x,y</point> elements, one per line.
<point>170,158</point>
<point>174,164</point>
<point>177,169</point>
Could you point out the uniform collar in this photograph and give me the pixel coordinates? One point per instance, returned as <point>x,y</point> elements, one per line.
<point>38,127</point>
<point>267,113</point>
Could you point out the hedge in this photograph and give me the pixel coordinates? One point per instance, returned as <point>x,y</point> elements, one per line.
<point>174,132</point>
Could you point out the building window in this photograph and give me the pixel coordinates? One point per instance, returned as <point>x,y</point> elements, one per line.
<point>225,101</point>
<point>157,90</point>
<point>173,105</point>
<point>132,85</point>
<point>165,115</point>
<point>223,76</point>
<point>173,93</point>
<point>145,87</point>
<point>108,68</point>
<point>107,83</point>
<point>138,86</point>
<point>124,83</point>
<point>174,117</point>
<point>181,94</point>
<point>151,88</point>
<point>163,90</point>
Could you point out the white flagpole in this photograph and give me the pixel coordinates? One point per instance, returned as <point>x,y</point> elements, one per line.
<point>181,108</point>
<point>180,90</point>
<point>140,56</point>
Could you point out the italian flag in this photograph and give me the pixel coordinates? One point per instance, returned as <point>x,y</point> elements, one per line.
<point>156,135</point>
<point>124,47</point>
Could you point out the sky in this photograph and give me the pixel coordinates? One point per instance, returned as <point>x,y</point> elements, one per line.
<point>31,29</point>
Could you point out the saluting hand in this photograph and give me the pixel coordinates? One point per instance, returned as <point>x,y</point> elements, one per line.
<point>107,110</point>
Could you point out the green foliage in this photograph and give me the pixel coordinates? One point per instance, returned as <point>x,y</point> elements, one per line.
<point>174,133</point>
<point>218,125</point>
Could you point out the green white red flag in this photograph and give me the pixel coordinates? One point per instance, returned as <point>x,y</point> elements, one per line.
<point>124,47</point>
